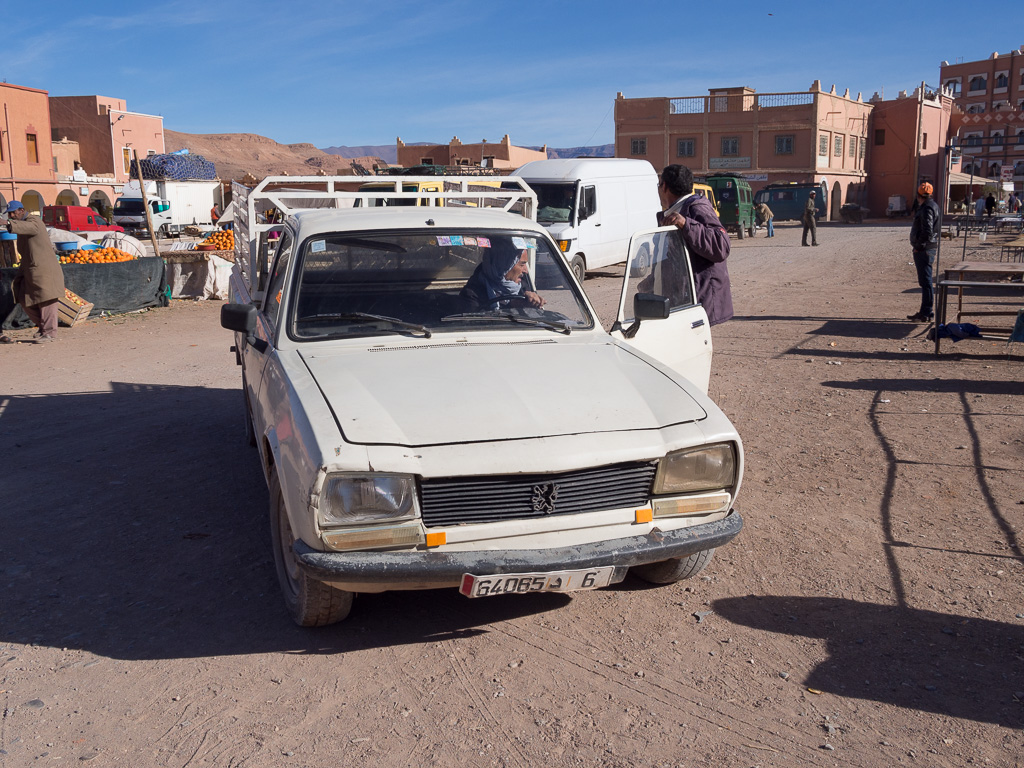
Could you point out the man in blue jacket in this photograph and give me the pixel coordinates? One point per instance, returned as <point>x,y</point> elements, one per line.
<point>924,238</point>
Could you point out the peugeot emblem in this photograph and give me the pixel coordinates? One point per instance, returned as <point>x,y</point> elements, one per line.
<point>544,497</point>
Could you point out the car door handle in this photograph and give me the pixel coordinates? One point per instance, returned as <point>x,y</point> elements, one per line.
<point>696,324</point>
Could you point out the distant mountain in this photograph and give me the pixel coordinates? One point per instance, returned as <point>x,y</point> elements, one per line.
<point>236,154</point>
<point>389,152</point>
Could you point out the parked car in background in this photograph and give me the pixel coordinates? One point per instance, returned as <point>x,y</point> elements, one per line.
<point>705,191</point>
<point>787,199</point>
<point>735,203</point>
<point>77,218</point>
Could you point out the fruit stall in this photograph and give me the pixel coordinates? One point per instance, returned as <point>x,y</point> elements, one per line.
<point>201,270</point>
<point>111,280</point>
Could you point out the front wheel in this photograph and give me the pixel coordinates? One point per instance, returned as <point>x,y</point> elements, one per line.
<point>311,603</point>
<point>579,267</point>
<point>741,232</point>
<point>676,569</point>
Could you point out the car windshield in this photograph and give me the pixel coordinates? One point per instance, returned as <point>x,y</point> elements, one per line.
<point>554,202</point>
<point>421,283</point>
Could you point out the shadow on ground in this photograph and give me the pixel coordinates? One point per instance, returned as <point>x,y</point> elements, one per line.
<point>135,527</point>
<point>934,662</point>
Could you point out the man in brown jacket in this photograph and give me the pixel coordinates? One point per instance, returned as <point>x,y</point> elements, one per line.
<point>40,280</point>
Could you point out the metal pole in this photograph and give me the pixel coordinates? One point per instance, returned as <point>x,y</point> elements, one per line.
<point>970,188</point>
<point>145,204</point>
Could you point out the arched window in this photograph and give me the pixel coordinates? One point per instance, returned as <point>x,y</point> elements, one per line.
<point>1020,136</point>
<point>997,139</point>
<point>994,170</point>
<point>975,109</point>
<point>978,83</point>
<point>1002,80</point>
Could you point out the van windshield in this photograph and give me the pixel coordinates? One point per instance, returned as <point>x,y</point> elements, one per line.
<point>555,202</point>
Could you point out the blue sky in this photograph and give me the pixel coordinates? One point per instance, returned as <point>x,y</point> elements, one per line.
<point>358,73</point>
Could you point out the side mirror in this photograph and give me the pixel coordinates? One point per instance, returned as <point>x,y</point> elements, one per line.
<point>242,318</point>
<point>647,306</point>
<point>238,317</point>
<point>650,306</point>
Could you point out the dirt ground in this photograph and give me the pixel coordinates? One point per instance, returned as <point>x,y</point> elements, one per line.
<point>870,614</point>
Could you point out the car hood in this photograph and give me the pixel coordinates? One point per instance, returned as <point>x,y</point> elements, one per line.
<point>442,394</point>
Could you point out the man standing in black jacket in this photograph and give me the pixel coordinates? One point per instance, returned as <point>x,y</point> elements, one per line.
<point>924,238</point>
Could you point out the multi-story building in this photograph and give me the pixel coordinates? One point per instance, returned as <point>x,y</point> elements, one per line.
<point>108,134</point>
<point>991,94</point>
<point>502,154</point>
<point>811,136</point>
<point>907,138</point>
<point>27,163</point>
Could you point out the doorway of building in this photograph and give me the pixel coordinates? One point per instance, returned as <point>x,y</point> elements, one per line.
<point>837,202</point>
<point>66,197</point>
<point>33,202</point>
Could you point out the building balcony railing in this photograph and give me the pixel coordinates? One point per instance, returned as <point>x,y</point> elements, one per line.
<point>697,105</point>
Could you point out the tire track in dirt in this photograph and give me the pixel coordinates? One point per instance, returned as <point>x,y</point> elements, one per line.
<point>668,691</point>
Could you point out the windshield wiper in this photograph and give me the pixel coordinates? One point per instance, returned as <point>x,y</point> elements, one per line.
<point>365,316</point>
<point>560,327</point>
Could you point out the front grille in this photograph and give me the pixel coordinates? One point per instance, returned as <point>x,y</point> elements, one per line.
<point>461,500</point>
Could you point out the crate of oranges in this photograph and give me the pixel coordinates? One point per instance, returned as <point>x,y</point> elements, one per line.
<point>72,309</point>
<point>223,240</point>
<point>95,256</point>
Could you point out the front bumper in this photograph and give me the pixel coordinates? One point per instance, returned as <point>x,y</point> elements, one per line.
<point>435,568</point>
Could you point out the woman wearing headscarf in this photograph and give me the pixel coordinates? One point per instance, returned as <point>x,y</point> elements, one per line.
<point>498,279</point>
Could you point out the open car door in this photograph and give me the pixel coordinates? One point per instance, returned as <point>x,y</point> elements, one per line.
<point>658,309</point>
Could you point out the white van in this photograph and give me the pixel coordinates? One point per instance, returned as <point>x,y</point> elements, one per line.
<point>591,206</point>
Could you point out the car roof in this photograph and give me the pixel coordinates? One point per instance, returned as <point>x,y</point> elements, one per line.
<point>311,222</point>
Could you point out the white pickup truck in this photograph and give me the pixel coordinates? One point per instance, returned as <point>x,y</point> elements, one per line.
<point>435,403</point>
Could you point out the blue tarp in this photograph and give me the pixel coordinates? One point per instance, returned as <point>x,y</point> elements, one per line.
<point>175,168</point>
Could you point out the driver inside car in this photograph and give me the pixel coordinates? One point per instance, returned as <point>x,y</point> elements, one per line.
<point>497,281</point>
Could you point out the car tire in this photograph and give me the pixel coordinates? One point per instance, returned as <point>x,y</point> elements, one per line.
<point>676,569</point>
<point>741,232</point>
<point>311,603</point>
<point>579,268</point>
<point>751,230</point>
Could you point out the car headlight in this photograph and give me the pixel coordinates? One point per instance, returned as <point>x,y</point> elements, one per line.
<point>359,499</point>
<point>709,468</point>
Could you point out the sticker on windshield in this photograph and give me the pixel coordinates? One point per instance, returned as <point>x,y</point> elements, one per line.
<point>522,242</point>
<point>467,240</point>
<point>444,240</point>
<point>456,239</point>
<point>318,246</point>
<point>483,242</point>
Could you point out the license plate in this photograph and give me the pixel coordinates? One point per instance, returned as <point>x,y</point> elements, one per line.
<point>524,583</point>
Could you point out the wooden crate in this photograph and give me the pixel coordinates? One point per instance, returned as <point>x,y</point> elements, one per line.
<point>69,313</point>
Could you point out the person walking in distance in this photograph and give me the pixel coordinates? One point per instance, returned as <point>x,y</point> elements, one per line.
<point>924,239</point>
<point>40,281</point>
<point>767,216</point>
<point>810,224</point>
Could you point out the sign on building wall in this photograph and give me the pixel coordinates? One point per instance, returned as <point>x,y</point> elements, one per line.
<point>729,162</point>
<point>1006,172</point>
<point>755,176</point>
